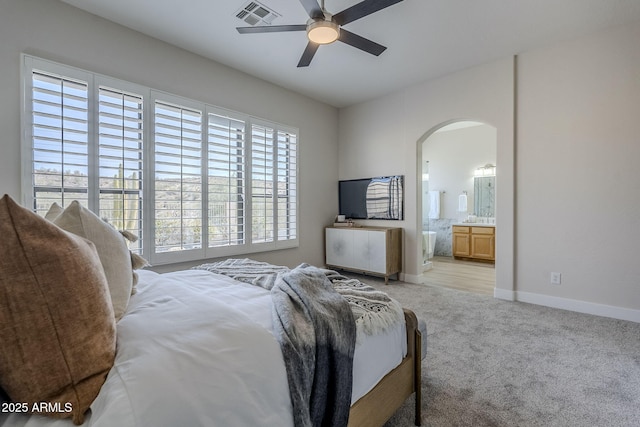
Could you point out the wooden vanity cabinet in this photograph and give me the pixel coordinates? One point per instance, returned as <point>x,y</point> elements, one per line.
<point>461,241</point>
<point>474,242</point>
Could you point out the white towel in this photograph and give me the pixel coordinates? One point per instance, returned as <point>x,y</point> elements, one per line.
<point>462,203</point>
<point>434,205</point>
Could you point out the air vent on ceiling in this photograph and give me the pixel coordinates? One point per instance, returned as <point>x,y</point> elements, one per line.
<point>255,13</point>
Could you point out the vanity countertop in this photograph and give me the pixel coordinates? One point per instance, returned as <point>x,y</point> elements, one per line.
<point>474,224</point>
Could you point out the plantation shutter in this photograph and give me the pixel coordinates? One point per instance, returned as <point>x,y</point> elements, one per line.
<point>191,180</point>
<point>226,181</point>
<point>178,178</point>
<point>120,157</point>
<point>287,176</point>
<point>60,138</point>
<point>262,181</point>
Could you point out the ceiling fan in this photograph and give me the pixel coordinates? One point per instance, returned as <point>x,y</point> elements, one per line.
<point>325,28</point>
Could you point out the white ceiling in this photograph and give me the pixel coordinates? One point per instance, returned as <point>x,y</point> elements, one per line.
<point>425,38</point>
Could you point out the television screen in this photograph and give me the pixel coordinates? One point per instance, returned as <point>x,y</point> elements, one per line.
<point>372,198</point>
<point>353,198</point>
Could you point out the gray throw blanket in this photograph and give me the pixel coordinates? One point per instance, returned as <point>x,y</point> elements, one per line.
<point>316,331</point>
<point>246,270</point>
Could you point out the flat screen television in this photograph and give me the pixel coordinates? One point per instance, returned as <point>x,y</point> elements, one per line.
<point>372,198</point>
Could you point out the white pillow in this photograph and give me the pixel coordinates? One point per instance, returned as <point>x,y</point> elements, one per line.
<point>112,250</point>
<point>54,211</point>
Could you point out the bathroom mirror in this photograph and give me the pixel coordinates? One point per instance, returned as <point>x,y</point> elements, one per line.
<point>484,194</point>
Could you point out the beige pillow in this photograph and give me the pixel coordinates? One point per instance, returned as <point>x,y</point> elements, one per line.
<point>57,331</point>
<point>54,211</point>
<point>137,261</point>
<point>112,249</point>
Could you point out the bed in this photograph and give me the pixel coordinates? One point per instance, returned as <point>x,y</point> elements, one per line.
<point>204,347</point>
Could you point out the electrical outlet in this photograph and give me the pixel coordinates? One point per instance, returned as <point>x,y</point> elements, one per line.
<point>556,278</point>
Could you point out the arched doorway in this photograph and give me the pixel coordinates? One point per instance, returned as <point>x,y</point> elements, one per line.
<point>451,156</point>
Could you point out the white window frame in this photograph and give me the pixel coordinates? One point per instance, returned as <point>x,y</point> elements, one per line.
<point>94,81</point>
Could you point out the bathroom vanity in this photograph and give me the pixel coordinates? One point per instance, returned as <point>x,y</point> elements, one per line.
<point>474,241</point>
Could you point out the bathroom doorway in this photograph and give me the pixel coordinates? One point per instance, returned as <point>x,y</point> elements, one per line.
<point>458,194</point>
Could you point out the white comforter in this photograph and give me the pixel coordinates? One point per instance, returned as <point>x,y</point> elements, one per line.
<point>195,349</point>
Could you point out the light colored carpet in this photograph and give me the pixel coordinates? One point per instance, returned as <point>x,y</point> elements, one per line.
<point>498,363</point>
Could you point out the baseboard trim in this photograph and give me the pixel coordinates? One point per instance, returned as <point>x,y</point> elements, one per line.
<point>586,307</point>
<point>604,310</point>
<point>412,278</point>
<point>504,294</point>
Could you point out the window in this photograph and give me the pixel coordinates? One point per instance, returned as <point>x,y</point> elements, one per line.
<point>287,187</point>
<point>193,181</point>
<point>262,196</point>
<point>226,174</point>
<point>59,143</point>
<point>120,159</point>
<point>178,177</point>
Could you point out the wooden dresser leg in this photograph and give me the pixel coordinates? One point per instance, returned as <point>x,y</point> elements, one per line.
<point>418,378</point>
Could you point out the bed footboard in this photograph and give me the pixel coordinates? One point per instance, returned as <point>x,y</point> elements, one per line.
<point>377,406</point>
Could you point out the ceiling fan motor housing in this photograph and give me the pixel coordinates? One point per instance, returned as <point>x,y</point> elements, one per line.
<point>323,30</point>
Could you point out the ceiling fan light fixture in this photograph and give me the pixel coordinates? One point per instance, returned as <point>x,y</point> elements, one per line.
<point>323,31</point>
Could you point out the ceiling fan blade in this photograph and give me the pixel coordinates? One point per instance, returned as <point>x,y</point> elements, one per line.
<point>307,55</point>
<point>271,29</point>
<point>360,42</point>
<point>313,8</point>
<point>362,9</point>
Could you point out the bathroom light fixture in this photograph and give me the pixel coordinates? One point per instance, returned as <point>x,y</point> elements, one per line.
<point>323,31</point>
<point>486,170</point>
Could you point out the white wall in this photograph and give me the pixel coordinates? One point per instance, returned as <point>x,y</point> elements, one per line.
<point>577,178</point>
<point>578,168</point>
<point>453,157</point>
<point>56,31</point>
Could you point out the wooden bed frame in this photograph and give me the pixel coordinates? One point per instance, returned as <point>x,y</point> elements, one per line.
<point>376,407</point>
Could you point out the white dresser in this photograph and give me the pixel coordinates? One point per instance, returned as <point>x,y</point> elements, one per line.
<point>373,250</point>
